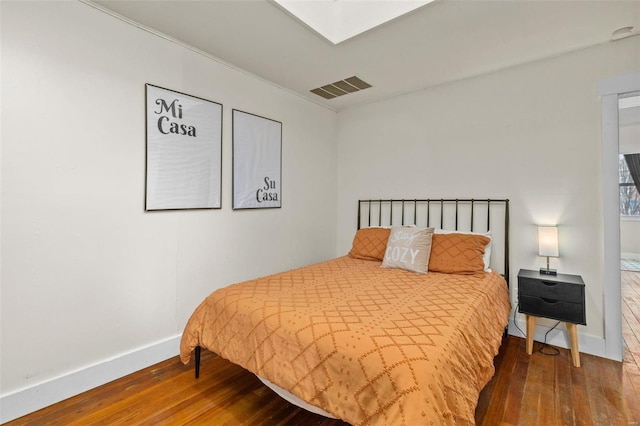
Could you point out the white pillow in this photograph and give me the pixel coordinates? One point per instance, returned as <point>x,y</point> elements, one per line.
<point>486,257</point>
<point>408,248</point>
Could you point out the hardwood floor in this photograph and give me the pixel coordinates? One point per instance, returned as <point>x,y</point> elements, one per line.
<point>548,390</point>
<point>526,390</point>
<point>631,318</point>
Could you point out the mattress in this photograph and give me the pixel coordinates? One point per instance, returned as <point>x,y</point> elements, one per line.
<point>367,344</point>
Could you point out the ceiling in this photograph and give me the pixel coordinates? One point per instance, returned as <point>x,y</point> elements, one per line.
<point>440,42</point>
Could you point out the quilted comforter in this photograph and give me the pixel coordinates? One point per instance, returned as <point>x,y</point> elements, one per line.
<point>366,344</point>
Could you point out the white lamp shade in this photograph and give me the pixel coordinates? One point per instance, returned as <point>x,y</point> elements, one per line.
<point>548,241</point>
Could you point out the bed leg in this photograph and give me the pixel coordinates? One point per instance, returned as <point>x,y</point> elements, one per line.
<point>197,360</point>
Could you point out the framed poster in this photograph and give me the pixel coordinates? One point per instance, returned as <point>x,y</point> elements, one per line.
<point>257,161</point>
<point>184,151</point>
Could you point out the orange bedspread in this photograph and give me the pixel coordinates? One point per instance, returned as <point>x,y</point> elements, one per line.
<point>367,344</point>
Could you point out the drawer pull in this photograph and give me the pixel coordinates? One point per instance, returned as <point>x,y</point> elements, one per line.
<point>550,301</point>
<point>549,283</point>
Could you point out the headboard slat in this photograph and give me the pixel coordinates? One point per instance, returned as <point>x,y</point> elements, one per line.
<point>472,210</point>
<point>488,214</point>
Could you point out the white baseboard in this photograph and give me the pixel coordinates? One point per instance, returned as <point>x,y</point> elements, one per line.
<point>558,337</point>
<point>629,255</point>
<point>24,401</point>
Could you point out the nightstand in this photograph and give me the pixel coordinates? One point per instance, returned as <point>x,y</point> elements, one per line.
<point>559,297</point>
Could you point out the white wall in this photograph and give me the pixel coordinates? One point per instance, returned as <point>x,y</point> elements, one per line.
<point>87,275</point>
<point>630,238</point>
<point>529,133</point>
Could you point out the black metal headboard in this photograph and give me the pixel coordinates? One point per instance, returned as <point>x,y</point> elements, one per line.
<point>460,214</point>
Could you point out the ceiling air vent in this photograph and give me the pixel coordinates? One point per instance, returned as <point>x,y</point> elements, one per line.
<point>342,87</point>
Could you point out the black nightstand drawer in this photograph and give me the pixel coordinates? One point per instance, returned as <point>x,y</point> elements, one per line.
<point>559,297</point>
<point>551,289</point>
<point>553,309</point>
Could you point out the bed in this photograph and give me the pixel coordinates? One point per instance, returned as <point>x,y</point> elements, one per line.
<point>366,338</point>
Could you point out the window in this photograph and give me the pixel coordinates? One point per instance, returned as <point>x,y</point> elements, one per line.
<point>629,197</point>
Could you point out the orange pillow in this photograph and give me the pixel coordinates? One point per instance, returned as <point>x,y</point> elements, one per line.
<point>457,253</point>
<point>370,243</point>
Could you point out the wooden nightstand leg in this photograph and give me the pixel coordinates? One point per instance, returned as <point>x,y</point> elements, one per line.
<point>573,336</point>
<point>531,328</point>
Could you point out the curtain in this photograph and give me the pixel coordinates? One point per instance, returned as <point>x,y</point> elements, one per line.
<point>633,163</point>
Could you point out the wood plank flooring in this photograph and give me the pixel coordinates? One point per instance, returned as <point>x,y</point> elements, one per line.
<point>526,390</point>
<point>631,318</point>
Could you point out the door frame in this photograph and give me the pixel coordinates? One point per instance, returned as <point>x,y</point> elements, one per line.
<point>609,90</point>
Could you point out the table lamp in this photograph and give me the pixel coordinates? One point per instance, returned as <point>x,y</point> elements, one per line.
<point>548,246</point>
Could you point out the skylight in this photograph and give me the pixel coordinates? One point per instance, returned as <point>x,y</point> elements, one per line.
<point>339,20</point>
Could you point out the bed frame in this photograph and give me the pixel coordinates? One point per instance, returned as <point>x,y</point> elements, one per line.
<point>459,214</point>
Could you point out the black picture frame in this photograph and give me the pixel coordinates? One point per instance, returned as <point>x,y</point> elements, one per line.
<point>257,161</point>
<point>183,162</point>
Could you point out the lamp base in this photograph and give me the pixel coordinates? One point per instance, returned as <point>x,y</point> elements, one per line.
<point>547,271</point>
